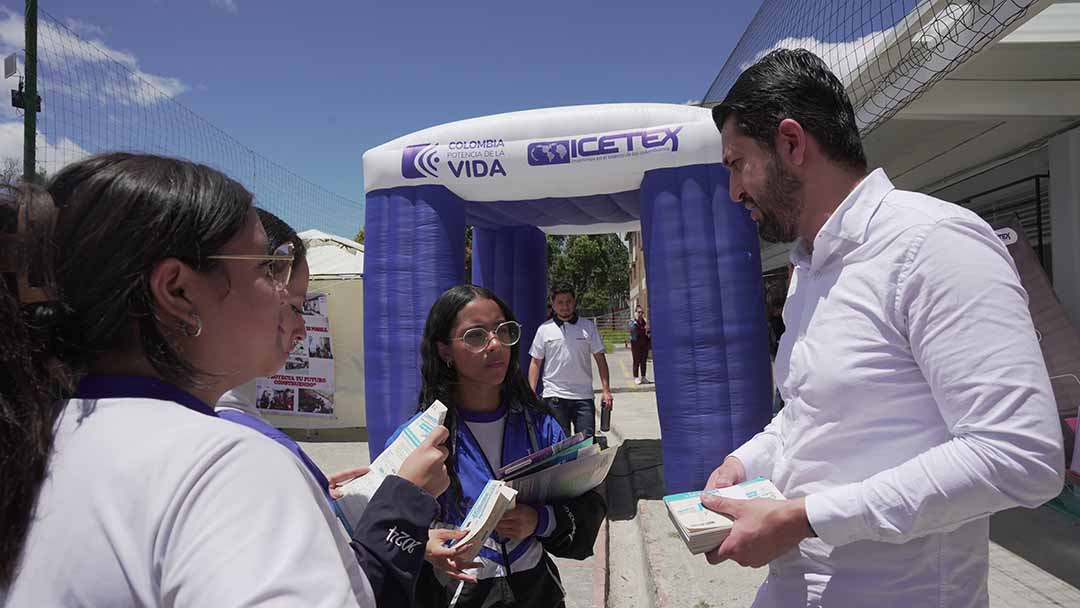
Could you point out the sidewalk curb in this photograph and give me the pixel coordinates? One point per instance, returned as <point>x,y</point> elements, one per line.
<point>600,568</point>
<point>647,573</point>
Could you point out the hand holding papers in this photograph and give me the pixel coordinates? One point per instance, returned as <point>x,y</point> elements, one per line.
<point>703,530</point>
<point>357,493</point>
<point>495,500</point>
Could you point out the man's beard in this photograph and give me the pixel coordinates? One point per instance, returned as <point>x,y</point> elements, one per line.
<point>779,207</point>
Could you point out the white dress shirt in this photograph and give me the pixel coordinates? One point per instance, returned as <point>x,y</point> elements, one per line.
<point>918,404</point>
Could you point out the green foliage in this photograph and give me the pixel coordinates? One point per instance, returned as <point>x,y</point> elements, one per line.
<point>598,266</point>
<point>360,236</point>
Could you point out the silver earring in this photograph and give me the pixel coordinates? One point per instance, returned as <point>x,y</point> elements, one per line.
<point>449,363</point>
<point>198,327</point>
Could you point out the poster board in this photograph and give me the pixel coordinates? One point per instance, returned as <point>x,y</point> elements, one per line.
<point>305,384</point>
<point>345,322</point>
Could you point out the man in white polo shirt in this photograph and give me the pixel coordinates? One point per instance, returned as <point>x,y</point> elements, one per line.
<point>563,345</point>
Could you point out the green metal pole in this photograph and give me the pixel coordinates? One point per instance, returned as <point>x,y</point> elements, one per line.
<point>31,98</point>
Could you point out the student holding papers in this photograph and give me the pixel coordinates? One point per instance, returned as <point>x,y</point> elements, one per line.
<point>470,363</point>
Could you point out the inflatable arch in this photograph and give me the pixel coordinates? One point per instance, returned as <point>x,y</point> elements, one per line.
<point>574,170</point>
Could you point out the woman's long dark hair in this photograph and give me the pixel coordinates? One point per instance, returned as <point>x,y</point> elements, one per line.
<point>103,223</point>
<point>439,381</point>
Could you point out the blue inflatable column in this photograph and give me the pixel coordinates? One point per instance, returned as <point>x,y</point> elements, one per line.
<point>710,340</point>
<point>414,249</point>
<point>512,262</point>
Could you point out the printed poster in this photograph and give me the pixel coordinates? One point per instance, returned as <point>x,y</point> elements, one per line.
<point>305,385</point>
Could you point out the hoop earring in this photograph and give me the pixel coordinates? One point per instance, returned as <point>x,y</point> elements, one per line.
<point>198,327</point>
<point>449,364</point>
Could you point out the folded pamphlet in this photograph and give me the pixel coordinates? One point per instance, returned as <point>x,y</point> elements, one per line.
<point>704,530</point>
<point>566,454</point>
<point>358,492</point>
<point>494,501</point>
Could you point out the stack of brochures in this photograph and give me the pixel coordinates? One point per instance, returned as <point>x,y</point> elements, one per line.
<point>494,501</point>
<point>358,492</point>
<point>704,530</point>
<point>562,471</point>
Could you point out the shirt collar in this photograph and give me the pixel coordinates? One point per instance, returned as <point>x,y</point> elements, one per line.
<point>102,386</point>
<point>572,320</point>
<point>848,225</point>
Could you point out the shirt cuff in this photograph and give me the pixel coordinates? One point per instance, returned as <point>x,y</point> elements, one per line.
<point>545,521</point>
<point>756,461</point>
<point>837,515</point>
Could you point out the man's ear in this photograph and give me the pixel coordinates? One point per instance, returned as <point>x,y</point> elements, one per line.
<point>170,282</point>
<point>791,142</point>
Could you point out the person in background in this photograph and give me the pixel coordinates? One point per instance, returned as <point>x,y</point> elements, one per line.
<point>917,402</point>
<point>469,356</point>
<point>404,502</point>
<point>563,346</point>
<point>136,290</point>
<point>640,342</point>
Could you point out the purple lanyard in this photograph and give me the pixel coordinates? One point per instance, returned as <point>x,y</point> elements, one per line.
<point>103,386</point>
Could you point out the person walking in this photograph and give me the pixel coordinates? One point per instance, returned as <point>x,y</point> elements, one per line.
<point>563,345</point>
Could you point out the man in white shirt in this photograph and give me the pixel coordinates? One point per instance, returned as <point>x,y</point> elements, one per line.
<point>918,402</point>
<point>563,345</point>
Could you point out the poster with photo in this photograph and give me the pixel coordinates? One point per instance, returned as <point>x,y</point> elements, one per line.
<point>305,385</point>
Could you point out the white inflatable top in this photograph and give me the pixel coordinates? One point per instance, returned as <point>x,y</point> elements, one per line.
<point>561,153</point>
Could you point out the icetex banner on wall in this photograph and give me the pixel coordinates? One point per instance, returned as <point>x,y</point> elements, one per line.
<point>305,385</point>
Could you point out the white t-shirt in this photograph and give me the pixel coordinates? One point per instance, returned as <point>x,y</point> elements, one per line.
<point>567,353</point>
<point>489,434</point>
<point>148,503</point>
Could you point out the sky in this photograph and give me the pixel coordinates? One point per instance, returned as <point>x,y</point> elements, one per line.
<point>311,86</point>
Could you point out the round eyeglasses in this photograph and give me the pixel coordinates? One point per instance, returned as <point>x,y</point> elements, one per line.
<point>477,339</point>
<point>278,265</point>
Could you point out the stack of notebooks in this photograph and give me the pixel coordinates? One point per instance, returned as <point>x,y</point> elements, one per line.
<point>704,530</point>
<point>561,471</point>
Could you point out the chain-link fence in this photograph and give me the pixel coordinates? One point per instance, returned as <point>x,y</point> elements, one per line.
<point>96,100</point>
<point>886,52</point>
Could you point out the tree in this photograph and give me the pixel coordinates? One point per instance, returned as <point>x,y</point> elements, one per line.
<point>598,266</point>
<point>360,237</point>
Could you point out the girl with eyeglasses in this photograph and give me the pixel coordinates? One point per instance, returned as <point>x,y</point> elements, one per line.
<point>135,291</point>
<point>469,358</point>
<point>404,502</point>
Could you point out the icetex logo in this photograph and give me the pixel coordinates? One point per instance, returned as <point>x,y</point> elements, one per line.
<point>563,151</point>
<point>420,160</point>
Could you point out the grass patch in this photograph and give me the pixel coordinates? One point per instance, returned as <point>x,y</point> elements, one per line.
<point>614,337</point>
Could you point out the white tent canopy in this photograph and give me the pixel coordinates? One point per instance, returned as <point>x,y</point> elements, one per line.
<point>332,255</point>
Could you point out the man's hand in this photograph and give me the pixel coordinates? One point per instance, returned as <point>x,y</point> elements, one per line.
<point>339,479</point>
<point>608,397</point>
<point>426,465</point>
<point>448,559</point>
<point>764,529</point>
<point>729,473</point>
<point>518,523</point>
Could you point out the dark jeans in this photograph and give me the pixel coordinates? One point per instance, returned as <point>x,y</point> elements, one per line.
<point>639,350</point>
<point>582,412</point>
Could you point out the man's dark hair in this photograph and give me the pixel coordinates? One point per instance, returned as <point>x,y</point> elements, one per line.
<point>563,288</point>
<point>795,84</point>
